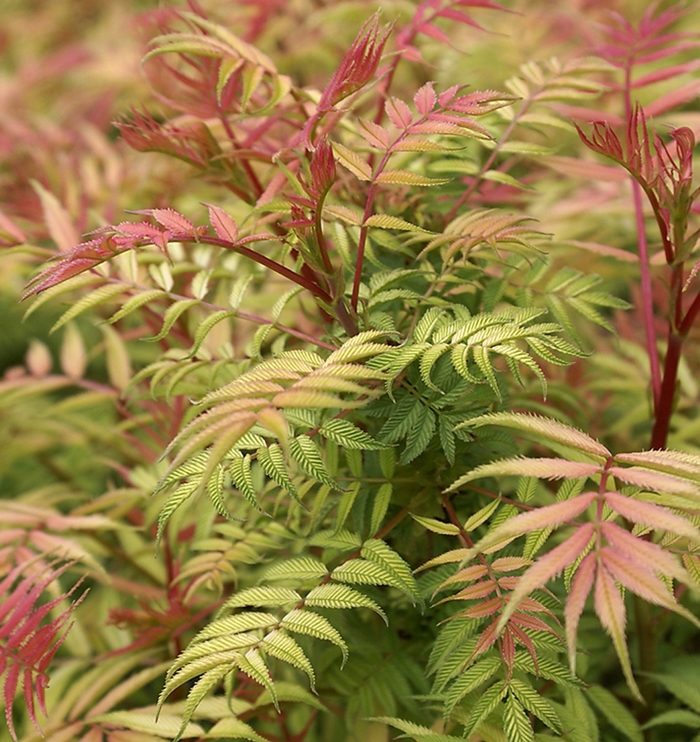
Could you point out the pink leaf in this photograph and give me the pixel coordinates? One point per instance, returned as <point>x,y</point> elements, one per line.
<point>579,168</point>
<point>487,638</point>
<point>28,687</point>
<point>425,98</point>
<point>435,33</point>
<point>508,649</point>
<point>673,99</point>
<point>607,251</point>
<point>474,592</point>
<point>483,608</point>
<point>399,113</point>
<point>224,226</point>
<point>138,230</point>
<point>475,572</point>
<point>447,96</point>
<point>10,233</point>
<point>549,516</point>
<point>648,554</point>
<point>29,647</point>
<point>530,622</point>
<point>411,53</point>
<point>632,575</point>
<point>580,588</point>
<point>654,480</point>
<point>611,611</point>
<point>11,679</point>
<point>665,73</point>
<point>509,564</point>
<point>170,219</point>
<point>526,641</point>
<point>457,15</point>
<point>358,65</point>
<point>375,134</point>
<point>651,515</point>
<point>547,567</point>
<point>57,219</point>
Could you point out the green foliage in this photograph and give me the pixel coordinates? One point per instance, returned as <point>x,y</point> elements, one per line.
<point>377,418</point>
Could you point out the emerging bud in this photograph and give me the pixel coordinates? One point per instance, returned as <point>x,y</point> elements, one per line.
<point>357,66</point>
<point>322,166</point>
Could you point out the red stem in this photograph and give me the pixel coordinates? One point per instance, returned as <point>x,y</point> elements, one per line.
<point>273,265</point>
<point>664,411</point>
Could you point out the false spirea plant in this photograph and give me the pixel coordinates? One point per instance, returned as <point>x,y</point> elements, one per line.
<point>344,336</point>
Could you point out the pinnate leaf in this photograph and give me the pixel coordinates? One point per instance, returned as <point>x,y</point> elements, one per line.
<point>551,430</point>
<point>341,596</point>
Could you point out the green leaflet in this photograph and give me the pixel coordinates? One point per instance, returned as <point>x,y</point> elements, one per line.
<point>481,710</point>
<point>242,478</point>
<point>218,650</point>
<point>272,461</point>
<point>171,316</point>
<point>235,624</point>
<point>515,722</point>
<point>546,668</point>
<point>347,500</point>
<point>272,597</point>
<point>215,491</point>
<point>362,572</point>
<point>551,430</point>
<point>416,731</point>
<point>682,681</point>
<point>337,539</point>
<point>384,221</point>
<point>174,501</point>
<point>535,703</point>
<point>341,596</point>
<point>579,710</point>
<point>283,647</point>
<point>344,433</point>
<point>436,526</point>
<point>475,676</point>
<point>168,726</point>
<point>311,624</point>
<point>206,326</point>
<point>419,436</point>
<point>298,568</point>
<point>136,302</point>
<point>617,715</point>
<point>101,295</point>
<point>233,728</point>
<point>308,456</point>
<point>380,553</point>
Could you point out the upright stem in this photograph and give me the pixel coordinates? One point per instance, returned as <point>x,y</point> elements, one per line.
<point>647,297</point>
<point>642,611</point>
<point>664,410</point>
<point>645,274</point>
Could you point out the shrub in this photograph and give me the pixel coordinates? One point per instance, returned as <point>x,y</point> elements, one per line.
<point>316,443</point>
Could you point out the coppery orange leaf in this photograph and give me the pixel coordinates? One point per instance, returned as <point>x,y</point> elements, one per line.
<point>547,567</point>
